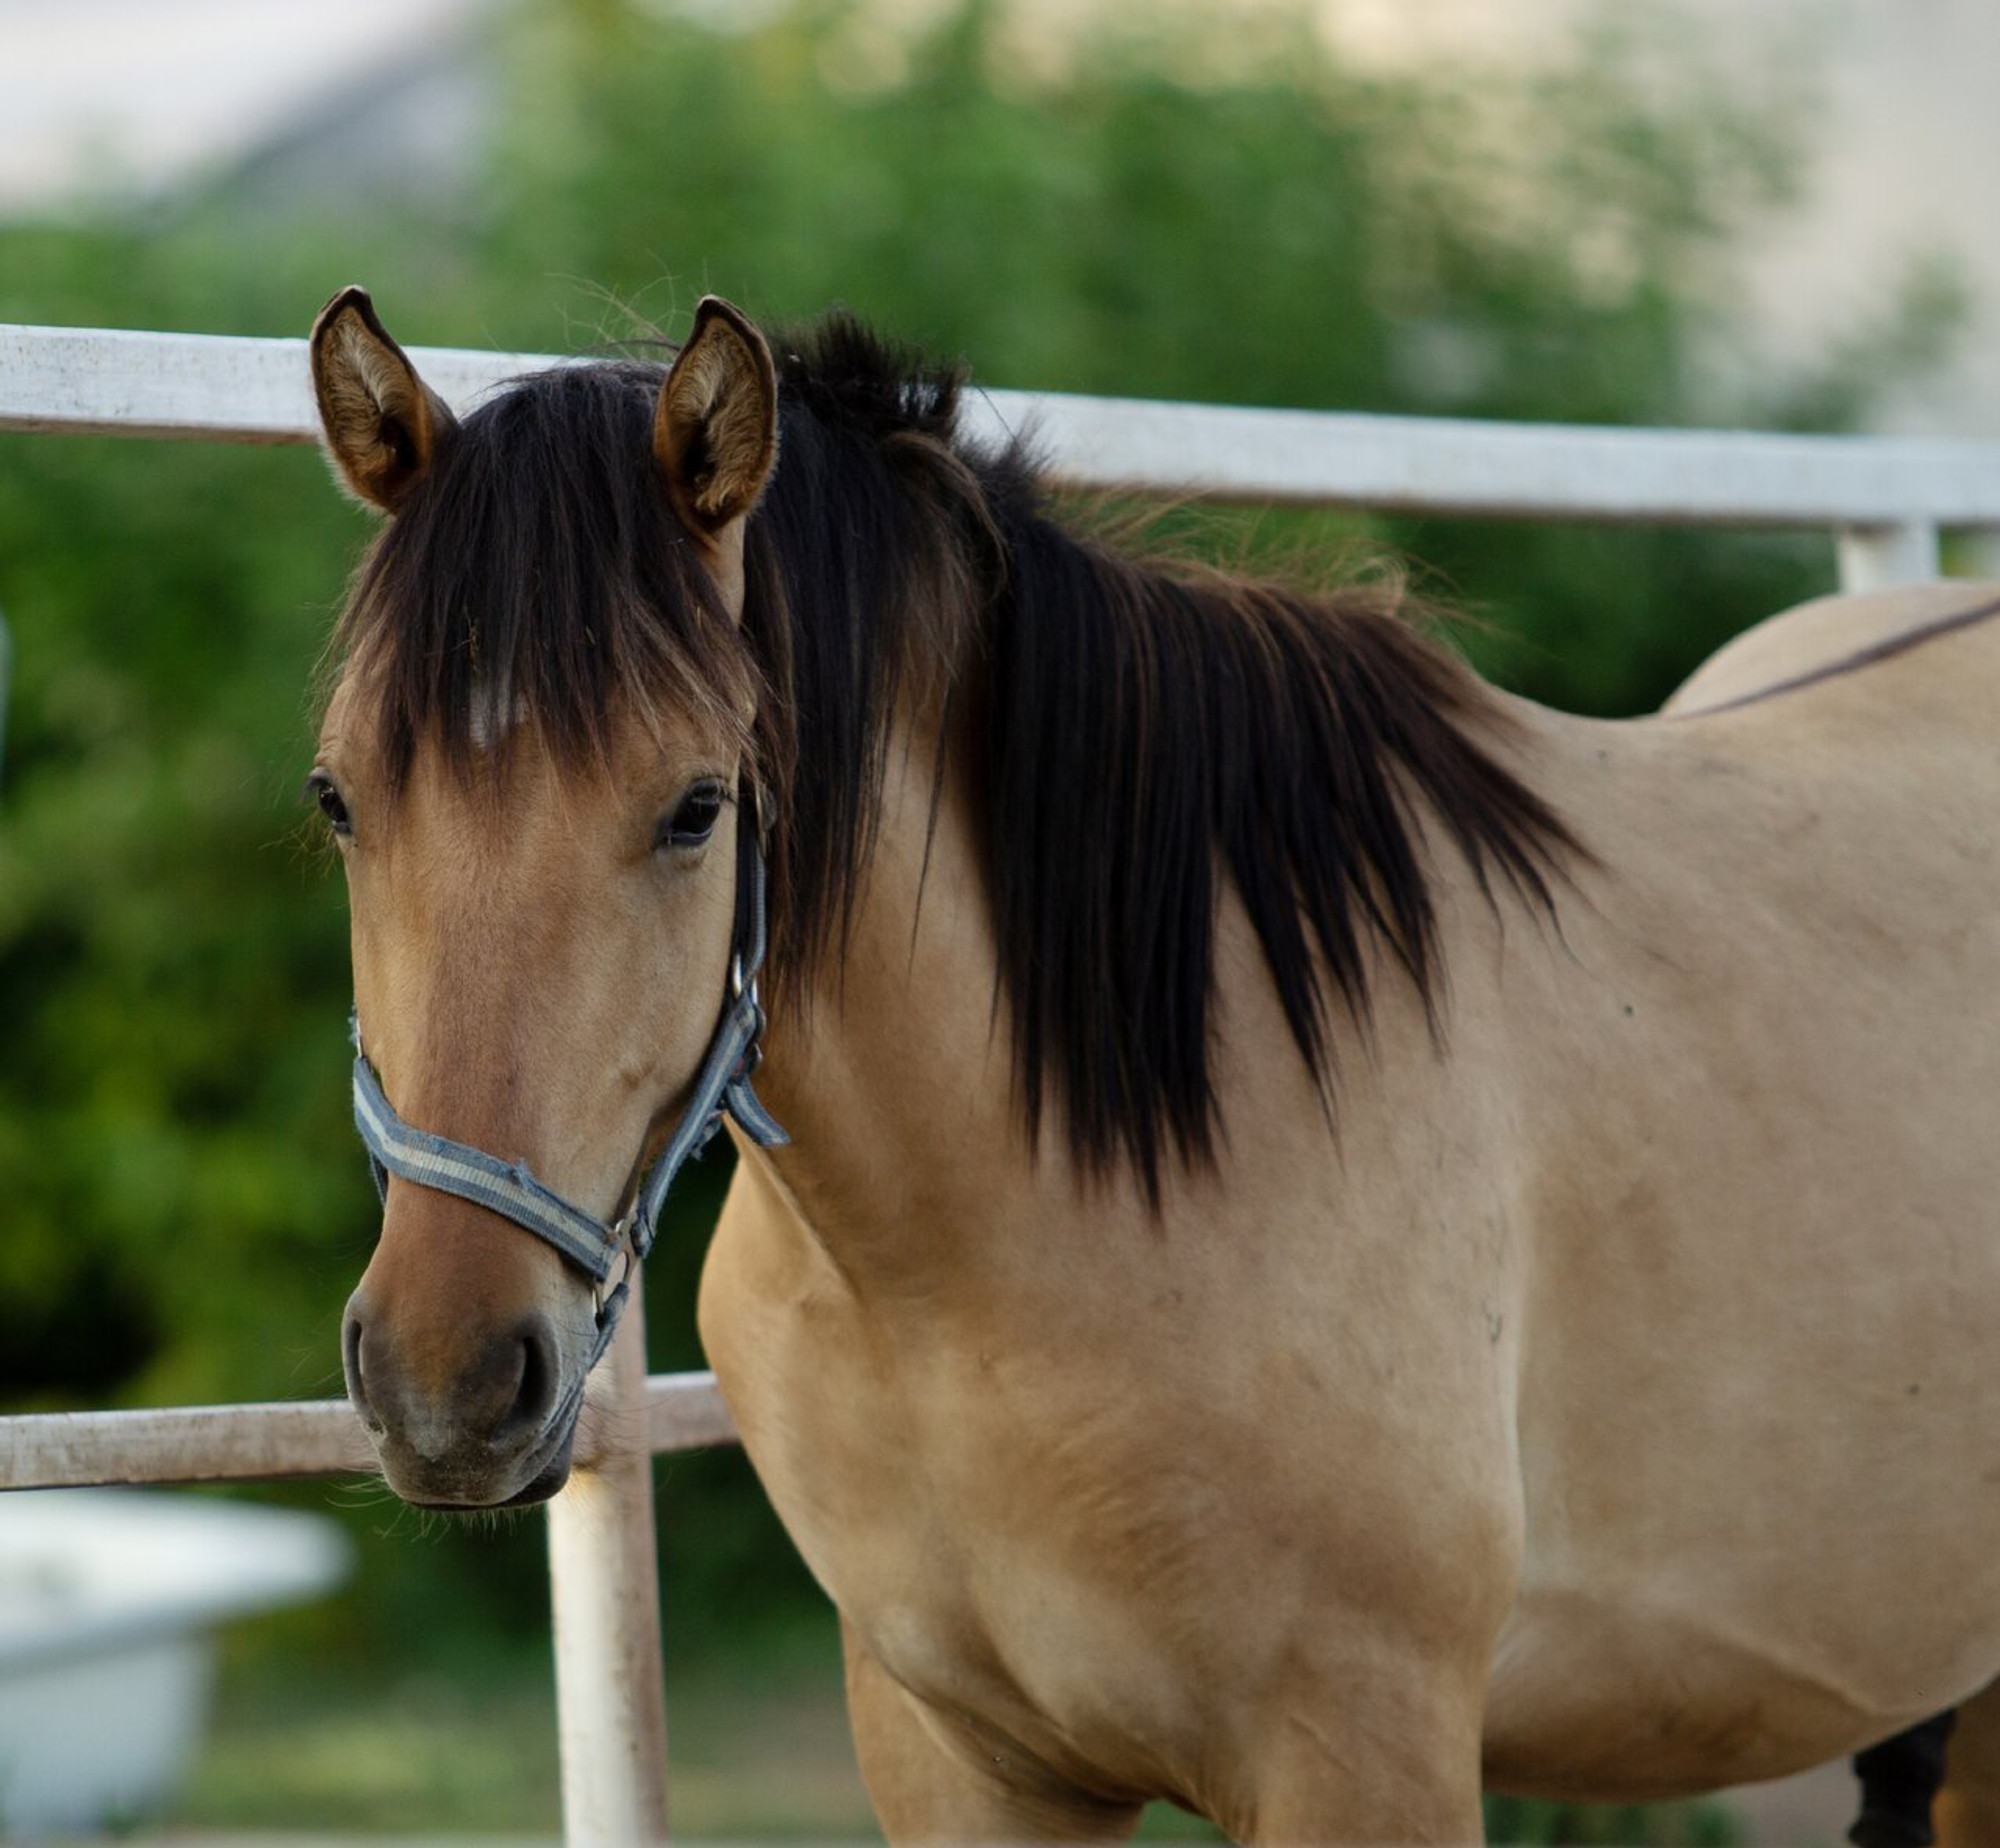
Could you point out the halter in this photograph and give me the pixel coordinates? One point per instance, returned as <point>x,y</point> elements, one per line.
<point>721,1088</point>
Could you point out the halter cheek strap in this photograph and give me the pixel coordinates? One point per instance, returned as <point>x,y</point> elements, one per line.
<point>722,1088</point>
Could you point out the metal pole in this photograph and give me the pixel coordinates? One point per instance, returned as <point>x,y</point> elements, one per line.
<point>1878,557</point>
<point>610,1692</point>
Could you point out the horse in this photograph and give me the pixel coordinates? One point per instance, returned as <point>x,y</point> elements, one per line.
<point>1345,1237</point>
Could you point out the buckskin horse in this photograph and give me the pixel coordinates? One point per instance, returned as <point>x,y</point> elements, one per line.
<point>1343,1235</point>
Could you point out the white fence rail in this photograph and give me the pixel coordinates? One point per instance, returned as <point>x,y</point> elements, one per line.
<point>1892,494</point>
<point>1885,501</point>
<point>265,1443</point>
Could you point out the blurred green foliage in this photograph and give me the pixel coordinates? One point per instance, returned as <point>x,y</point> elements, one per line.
<point>1173,204</point>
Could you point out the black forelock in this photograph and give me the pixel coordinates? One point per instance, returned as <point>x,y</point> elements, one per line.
<point>539,563</point>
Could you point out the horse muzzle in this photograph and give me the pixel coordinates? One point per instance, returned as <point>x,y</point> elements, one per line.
<point>474,1421</point>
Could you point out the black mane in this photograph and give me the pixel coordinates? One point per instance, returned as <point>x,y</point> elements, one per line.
<point>1134,733</point>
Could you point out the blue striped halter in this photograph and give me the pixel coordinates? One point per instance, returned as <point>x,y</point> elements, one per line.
<point>721,1088</point>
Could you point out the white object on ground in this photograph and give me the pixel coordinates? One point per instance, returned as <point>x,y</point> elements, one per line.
<point>106,1598</point>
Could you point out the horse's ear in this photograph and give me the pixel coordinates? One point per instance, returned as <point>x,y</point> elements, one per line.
<point>383,424</point>
<point>715,429</point>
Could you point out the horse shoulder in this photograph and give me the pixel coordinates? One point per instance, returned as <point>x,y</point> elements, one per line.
<point>778,1321</point>
<point>1011,1527</point>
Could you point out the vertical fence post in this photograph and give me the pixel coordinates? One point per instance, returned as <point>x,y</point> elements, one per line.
<point>1877,557</point>
<point>610,1694</point>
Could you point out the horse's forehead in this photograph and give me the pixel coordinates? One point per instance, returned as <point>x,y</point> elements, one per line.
<point>525,818</point>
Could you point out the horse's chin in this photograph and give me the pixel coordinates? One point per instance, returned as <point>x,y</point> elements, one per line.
<point>547,1470</point>
<point>548,1483</point>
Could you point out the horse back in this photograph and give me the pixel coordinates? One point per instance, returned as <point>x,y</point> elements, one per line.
<point>1829,636</point>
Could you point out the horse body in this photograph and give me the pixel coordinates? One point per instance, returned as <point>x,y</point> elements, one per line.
<point>1765,1247</point>
<point>1602,1335</point>
<point>1581,1377</point>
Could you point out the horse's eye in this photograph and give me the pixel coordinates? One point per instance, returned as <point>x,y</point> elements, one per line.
<point>321,788</point>
<point>693,821</point>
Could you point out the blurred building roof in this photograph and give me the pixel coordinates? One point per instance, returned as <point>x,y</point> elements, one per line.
<point>136,100</point>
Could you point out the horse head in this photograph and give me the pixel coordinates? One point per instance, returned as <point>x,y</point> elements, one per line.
<point>531,764</point>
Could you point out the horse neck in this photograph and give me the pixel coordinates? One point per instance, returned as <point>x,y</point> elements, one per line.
<point>894,1076</point>
<point>900,1081</point>
<point>911,1166</point>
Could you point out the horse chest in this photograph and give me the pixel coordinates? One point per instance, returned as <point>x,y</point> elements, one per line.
<point>1001,1555</point>
<point>1110,1551</point>
<point>940,1529</point>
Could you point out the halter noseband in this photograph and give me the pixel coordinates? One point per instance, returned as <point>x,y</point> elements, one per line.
<point>721,1088</point>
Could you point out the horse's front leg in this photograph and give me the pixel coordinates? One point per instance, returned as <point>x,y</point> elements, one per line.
<point>931,1783</point>
<point>1389,1758</point>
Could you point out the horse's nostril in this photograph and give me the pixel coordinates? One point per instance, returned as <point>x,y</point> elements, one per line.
<point>498,1397</point>
<point>350,1363</point>
<point>535,1395</point>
